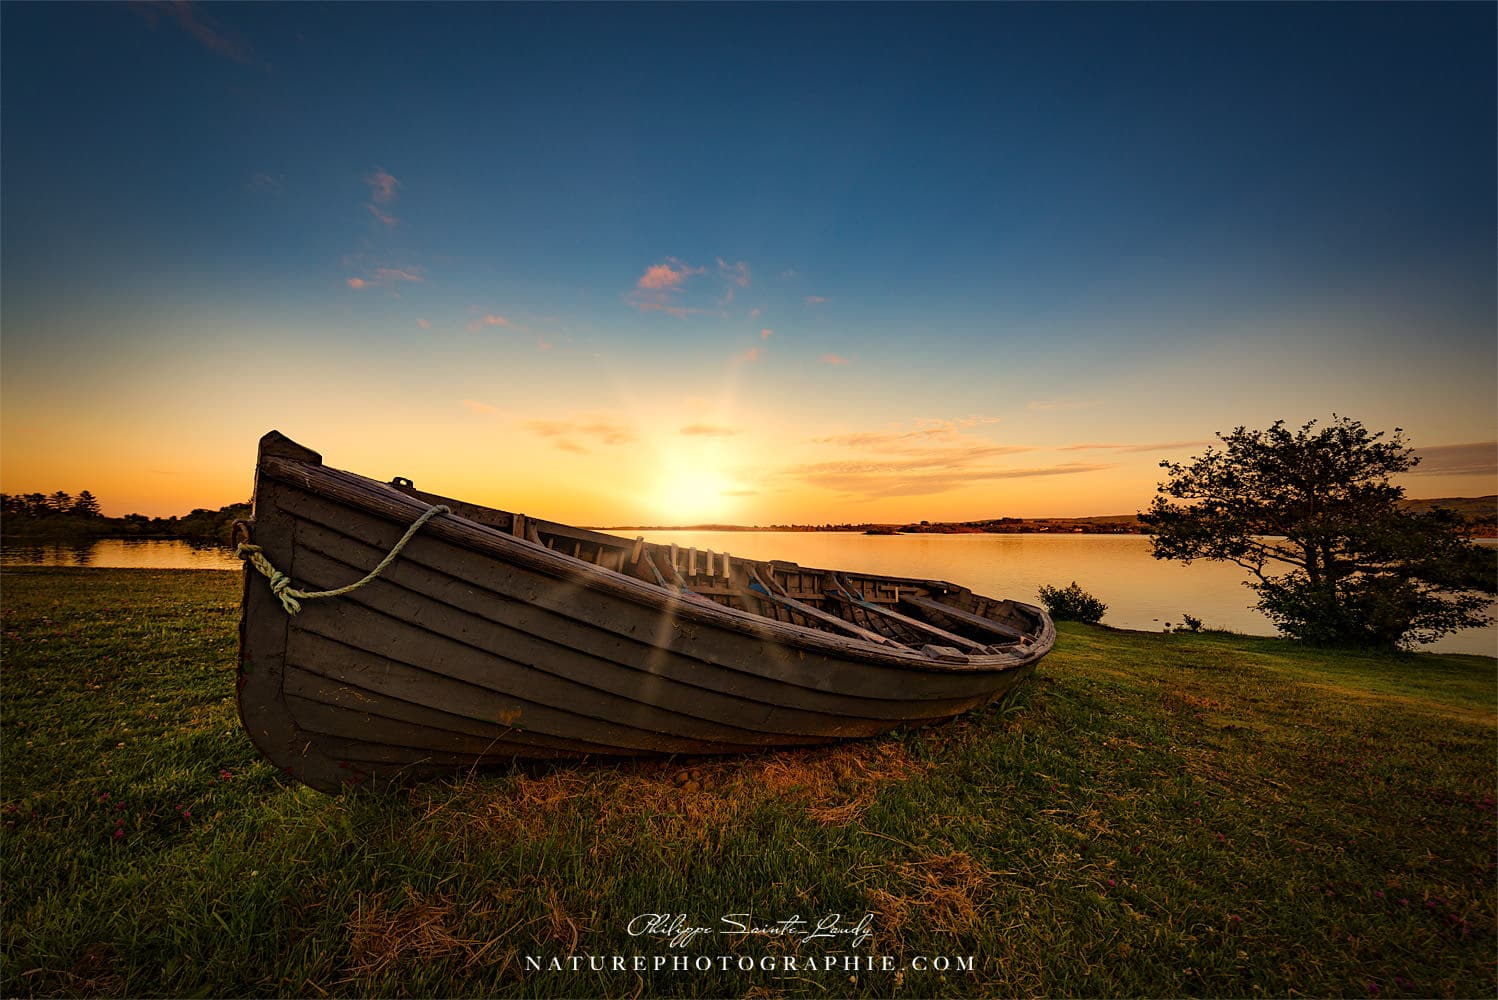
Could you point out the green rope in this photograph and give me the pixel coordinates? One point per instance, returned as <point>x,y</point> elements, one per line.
<point>291,598</point>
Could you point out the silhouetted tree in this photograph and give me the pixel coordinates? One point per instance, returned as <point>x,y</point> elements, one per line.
<point>1362,570</point>
<point>87,506</point>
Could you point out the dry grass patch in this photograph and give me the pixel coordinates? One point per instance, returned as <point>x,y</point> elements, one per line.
<point>425,929</point>
<point>946,891</point>
<point>676,800</point>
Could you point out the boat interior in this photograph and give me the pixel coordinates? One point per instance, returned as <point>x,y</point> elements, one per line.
<point>939,619</point>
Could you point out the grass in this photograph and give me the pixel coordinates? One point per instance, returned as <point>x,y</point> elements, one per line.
<point>1187,814</point>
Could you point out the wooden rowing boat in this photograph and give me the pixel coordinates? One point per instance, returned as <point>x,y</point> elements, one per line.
<point>494,636</point>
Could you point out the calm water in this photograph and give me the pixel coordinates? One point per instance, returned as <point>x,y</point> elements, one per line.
<point>1141,593</point>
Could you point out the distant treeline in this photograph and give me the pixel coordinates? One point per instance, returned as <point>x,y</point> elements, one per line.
<point>63,516</point>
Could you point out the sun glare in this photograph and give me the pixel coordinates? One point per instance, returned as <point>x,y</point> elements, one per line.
<point>694,496</point>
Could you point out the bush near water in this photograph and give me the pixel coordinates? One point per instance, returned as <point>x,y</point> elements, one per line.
<point>1154,815</point>
<point>1072,604</point>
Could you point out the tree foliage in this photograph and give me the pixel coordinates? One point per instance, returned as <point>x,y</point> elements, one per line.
<point>1312,514</point>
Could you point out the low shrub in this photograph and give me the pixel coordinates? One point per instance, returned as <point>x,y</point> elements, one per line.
<point>1072,604</point>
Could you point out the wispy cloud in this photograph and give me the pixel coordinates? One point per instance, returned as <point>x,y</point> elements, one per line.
<point>663,287</point>
<point>661,277</point>
<point>1476,459</point>
<point>1052,405</point>
<point>755,312</point>
<point>264,184</point>
<point>927,431</point>
<point>425,324</point>
<point>387,276</point>
<point>933,456</point>
<point>736,273</point>
<point>211,35</point>
<point>709,430</point>
<point>836,359</point>
<point>596,428</point>
<point>660,287</point>
<point>383,188</point>
<point>815,300</point>
<point>488,319</point>
<point>1126,447</point>
<point>748,357</point>
<point>874,480</point>
<point>474,406</point>
<point>766,334</point>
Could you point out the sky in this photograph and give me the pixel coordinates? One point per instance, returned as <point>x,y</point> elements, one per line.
<point>752,264</point>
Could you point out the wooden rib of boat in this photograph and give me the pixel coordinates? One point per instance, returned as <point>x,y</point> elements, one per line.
<point>495,636</point>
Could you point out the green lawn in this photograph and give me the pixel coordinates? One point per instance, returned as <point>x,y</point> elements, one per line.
<point>1154,815</point>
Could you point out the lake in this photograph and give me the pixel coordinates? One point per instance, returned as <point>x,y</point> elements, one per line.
<point>1141,592</point>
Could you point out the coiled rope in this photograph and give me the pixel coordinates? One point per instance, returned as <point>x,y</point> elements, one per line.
<point>291,598</point>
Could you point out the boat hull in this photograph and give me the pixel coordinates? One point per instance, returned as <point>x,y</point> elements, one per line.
<point>476,647</point>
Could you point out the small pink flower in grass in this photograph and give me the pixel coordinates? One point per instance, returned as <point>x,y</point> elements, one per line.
<point>119,805</point>
<point>119,832</point>
<point>1111,883</point>
<point>1403,901</point>
<point>1233,918</point>
<point>1378,894</point>
<point>1373,989</point>
<point>225,773</point>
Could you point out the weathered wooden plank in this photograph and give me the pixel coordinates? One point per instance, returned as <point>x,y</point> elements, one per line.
<point>603,703</point>
<point>913,624</point>
<point>964,617</point>
<point>597,629</point>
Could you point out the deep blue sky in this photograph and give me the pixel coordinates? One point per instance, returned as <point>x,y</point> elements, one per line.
<point>1085,196</point>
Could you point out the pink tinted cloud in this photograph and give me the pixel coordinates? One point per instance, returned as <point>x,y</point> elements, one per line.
<point>425,324</point>
<point>815,300</point>
<point>766,334</point>
<point>659,277</point>
<point>383,216</point>
<point>357,283</point>
<point>754,313</point>
<point>211,36</point>
<point>491,320</point>
<point>835,359</point>
<point>655,290</point>
<point>751,356</point>
<point>474,406</point>
<point>389,274</point>
<point>737,273</point>
<point>382,187</point>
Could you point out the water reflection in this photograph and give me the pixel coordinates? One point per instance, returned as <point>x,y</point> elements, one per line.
<point>1140,591</point>
<point>120,553</point>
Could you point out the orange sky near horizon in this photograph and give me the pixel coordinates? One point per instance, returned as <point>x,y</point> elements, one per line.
<point>732,452</point>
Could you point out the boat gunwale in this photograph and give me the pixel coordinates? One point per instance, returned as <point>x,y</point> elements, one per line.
<point>390,504</point>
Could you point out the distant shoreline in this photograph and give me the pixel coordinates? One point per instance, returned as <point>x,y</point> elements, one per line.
<point>213,527</point>
<point>1480,512</point>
